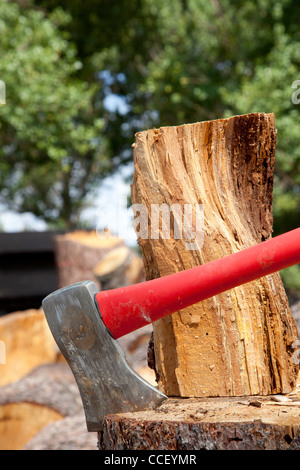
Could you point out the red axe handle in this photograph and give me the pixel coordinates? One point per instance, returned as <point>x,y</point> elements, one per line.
<point>126,309</point>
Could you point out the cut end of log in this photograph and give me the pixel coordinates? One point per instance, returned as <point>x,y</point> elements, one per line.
<point>112,261</point>
<point>77,253</point>
<point>19,422</point>
<point>119,268</point>
<point>91,238</point>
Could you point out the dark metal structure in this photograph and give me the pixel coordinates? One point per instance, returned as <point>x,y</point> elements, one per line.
<point>27,269</point>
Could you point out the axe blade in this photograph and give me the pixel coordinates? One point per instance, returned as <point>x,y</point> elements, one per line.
<point>106,382</point>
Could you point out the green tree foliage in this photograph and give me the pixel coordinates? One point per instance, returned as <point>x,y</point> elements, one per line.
<point>272,85</point>
<point>50,137</point>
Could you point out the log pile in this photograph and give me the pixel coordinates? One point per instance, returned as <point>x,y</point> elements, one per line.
<point>28,396</point>
<point>40,405</point>
<point>119,268</point>
<point>48,394</point>
<point>229,423</point>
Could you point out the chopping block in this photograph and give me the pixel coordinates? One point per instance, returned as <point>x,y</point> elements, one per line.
<point>221,423</point>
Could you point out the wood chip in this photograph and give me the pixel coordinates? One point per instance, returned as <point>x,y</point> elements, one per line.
<point>280,398</point>
<point>256,403</point>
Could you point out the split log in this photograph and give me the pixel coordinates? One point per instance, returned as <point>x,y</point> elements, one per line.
<point>77,253</point>
<point>47,394</point>
<point>119,268</point>
<point>27,343</point>
<point>239,342</point>
<point>229,423</point>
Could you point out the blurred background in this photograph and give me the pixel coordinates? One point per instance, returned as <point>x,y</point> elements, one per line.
<point>83,77</point>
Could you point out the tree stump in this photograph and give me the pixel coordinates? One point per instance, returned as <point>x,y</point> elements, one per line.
<point>238,343</point>
<point>229,423</point>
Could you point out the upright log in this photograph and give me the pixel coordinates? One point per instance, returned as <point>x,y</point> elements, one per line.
<point>239,342</point>
<point>77,253</point>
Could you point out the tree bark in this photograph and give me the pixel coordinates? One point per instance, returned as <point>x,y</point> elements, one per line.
<point>239,342</point>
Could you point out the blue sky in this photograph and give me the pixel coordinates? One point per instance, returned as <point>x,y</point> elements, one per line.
<point>107,209</point>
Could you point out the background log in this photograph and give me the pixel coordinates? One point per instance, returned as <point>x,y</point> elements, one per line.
<point>239,342</point>
<point>48,394</point>
<point>27,343</point>
<point>119,268</point>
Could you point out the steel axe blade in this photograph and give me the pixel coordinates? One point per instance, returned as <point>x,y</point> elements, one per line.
<point>106,382</point>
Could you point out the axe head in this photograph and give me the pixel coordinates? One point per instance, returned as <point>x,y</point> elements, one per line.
<point>106,383</point>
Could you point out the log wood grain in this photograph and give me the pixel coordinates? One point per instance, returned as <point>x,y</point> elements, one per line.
<point>239,342</point>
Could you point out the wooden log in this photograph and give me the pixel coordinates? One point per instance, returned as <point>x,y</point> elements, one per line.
<point>26,342</point>
<point>135,345</point>
<point>77,253</point>
<point>239,342</point>
<point>48,394</point>
<point>229,423</point>
<point>119,268</point>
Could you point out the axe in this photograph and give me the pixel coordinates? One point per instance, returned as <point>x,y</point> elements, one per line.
<point>86,324</point>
